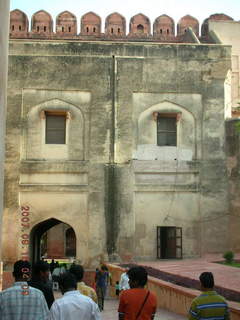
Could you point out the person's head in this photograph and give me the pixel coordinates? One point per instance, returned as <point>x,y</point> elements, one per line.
<point>78,271</point>
<point>67,282</point>
<point>137,277</point>
<point>41,270</point>
<point>22,270</point>
<point>206,280</point>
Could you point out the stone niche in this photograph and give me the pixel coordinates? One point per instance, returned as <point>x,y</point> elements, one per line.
<point>115,25</point>
<point>187,22</point>
<point>66,24</point>
<point>18,24</point>
<point>90,24</point>
<point>139,26</point>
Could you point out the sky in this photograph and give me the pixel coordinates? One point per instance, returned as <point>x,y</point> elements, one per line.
<point>152,8</point>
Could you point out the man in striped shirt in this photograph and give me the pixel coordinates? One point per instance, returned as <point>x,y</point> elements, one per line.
<point>209,305</point>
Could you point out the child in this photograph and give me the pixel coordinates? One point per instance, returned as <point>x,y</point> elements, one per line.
<point>117,288</point>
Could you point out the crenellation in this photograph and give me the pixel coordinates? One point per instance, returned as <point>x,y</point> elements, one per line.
<point>42,24</point>
<point>19,24</point>
<point>66,24</point>
<point>187,22</point>
<point>164,27</point>
<point>214,17</point>
<point>140,26</point>
<point>91,25</point>
<point>115,27</point>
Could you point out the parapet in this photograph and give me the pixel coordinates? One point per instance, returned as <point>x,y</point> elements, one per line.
<point>115,27</point>
<point>19,24</point>
<point>66,24</point>
<point>42,24</point>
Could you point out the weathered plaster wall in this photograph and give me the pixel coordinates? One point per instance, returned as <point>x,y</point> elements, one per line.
<point>113,198</point>
<point>227,31</point>
<point>233,164</point>
<point>4,18</point>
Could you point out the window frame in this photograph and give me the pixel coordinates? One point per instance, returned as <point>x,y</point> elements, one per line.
<point>157,116</point>
<point>55,113</point>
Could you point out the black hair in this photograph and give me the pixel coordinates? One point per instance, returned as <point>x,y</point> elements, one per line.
<point>207,279</point>
<point>21,269</point>
<point>138,275</point>
<point>40,266</point>
<point>77,270</point>
<point>67,281</point>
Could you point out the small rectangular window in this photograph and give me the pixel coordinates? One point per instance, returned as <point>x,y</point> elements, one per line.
<point>166,130</point>
<point>55,128</point>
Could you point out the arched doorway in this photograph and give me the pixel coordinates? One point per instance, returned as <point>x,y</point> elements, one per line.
<point>52,239</point>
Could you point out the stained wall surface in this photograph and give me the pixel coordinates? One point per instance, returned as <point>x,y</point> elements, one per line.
<point>110,181</point>
<point>4,17</point>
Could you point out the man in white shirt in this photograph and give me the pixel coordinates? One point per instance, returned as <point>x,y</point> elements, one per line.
<point>123,283</point>
<point>73,305</point>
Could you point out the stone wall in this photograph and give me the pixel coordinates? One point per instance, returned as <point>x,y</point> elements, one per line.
<point>4,17</point>
<point>227,32</point>
<point>114,186</point>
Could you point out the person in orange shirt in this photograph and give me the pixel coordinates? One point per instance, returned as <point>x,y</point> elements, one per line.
<point>137,303</point>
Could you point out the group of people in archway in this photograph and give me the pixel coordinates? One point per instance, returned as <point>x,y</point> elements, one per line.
<point>31,296</point>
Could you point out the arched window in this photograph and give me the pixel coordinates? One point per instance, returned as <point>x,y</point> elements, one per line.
<point>94,29</point>
<point>70,249</point>
<point>20,28</point>
<point>167,31</point>
<point>87,29</point>
<point>62,29</point>
<point>45,28</point>
<point>69,29</point>
<point>12,27</point>
<point>161,31</point>
<point>38,29</point>
<point>111,30</point>
<point>140,28</point>
<point>119,30</point>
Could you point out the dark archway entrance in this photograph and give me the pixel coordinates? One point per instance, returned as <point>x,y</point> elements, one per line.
<point>52,239</point>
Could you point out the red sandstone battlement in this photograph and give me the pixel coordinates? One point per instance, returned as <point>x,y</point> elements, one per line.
<point>115,27</point>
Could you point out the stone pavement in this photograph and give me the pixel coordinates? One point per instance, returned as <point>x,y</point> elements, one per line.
<point>111,306</point>
<point>225,276</point>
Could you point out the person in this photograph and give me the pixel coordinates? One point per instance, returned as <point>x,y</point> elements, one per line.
<point>101,286</point>
<point>78,271</point>
<point>52,266</point>
<point>40,280</point>
<point>117,288</point>
<point>209,304</point>
<point>73,305</point>
<point>137,302</point>
<point>123,284</point>
<point>21,301</point>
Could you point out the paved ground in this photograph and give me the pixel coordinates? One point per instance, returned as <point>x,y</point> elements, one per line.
<point>226,277</point>
<point>110,312</point>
